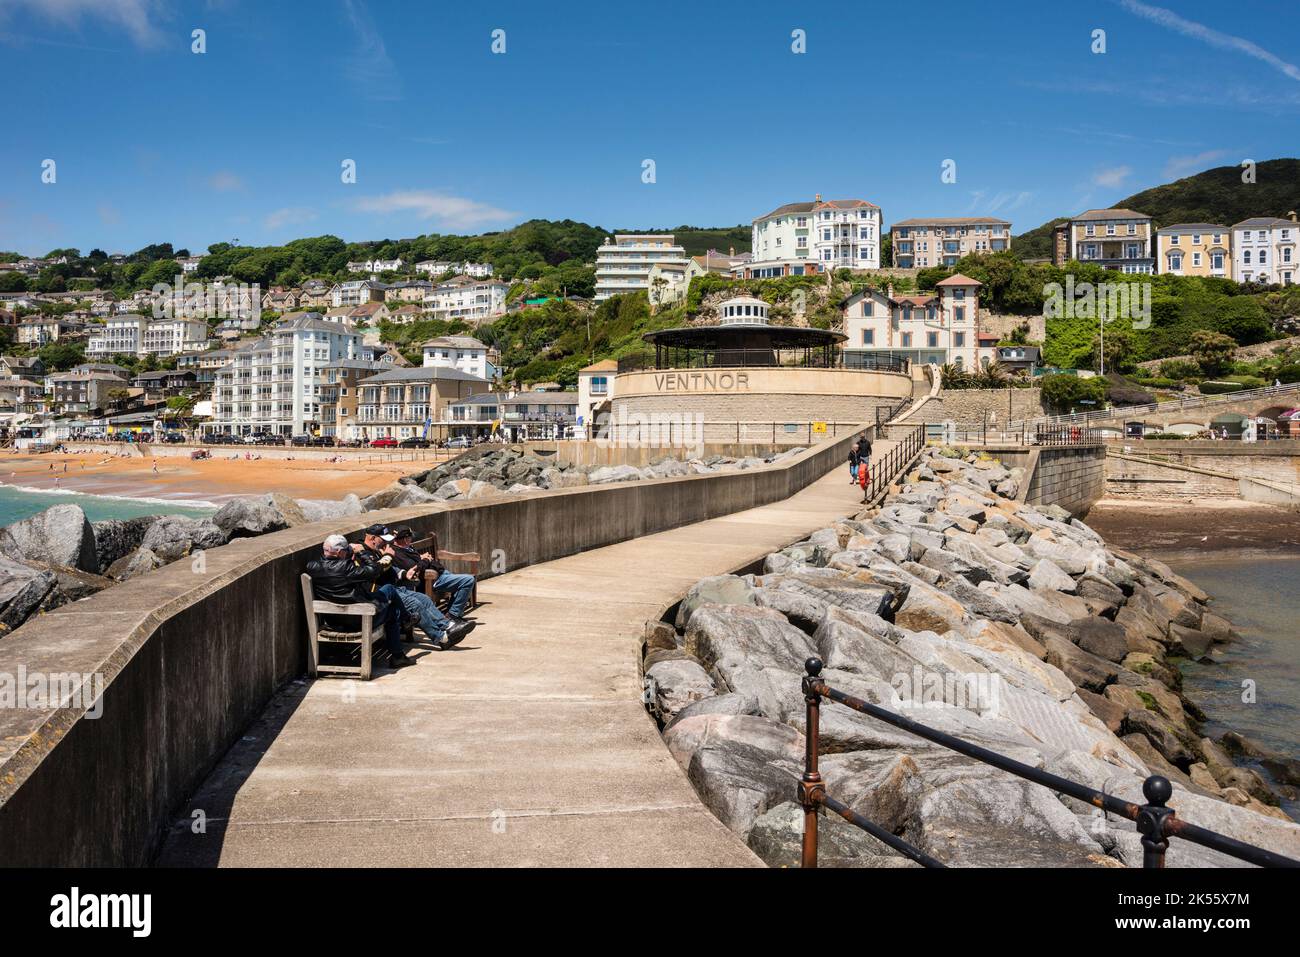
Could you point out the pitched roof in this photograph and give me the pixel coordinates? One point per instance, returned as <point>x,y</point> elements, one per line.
<point>456,342</point>
<point>1265,221</point>
<point>1095,214</point>
<point>815,205</point>
<point>418,373</point>
<point>959,280</point>
<point>1192,227</point>
<point>958,221</point>
<point>604,365</point>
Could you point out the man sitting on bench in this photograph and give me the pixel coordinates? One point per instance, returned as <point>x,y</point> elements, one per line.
<point>460,586</point>
<point>407,581</point>
<point>340,577</point>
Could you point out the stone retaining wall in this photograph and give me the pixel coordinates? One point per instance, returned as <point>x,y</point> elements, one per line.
<point>1073,478</point>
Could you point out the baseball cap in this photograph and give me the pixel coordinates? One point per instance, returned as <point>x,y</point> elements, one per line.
<point>381,531</point>
<point>403,531</point>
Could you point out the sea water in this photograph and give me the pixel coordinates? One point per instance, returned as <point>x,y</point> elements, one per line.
<point>17,503</point>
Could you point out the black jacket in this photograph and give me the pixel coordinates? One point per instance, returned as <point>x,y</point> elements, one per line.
<point>343,580</point>
<point>864,448</point>
<point>407,558</point>
<point>387,572</point>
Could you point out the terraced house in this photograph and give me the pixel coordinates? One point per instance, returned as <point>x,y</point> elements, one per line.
<point>922,243</point>
<point>1118,239</point>
<point>1194,249</point>
<point>1265,250</point>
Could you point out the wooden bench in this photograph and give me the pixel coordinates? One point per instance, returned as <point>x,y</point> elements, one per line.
<point>469,559</point>
<point>366,637</point>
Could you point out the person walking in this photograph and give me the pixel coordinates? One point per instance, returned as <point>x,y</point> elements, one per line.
<point>853,464</point>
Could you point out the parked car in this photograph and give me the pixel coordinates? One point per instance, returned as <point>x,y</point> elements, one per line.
<point>303,440</point>
<point>415,442</point>
<point>459,442</point>
<point>270,438</point>
<point>173,438</point>
<point>384,442</point>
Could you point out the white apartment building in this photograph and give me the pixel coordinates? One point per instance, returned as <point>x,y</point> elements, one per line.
<point>42,330</point>
<point>837,233</point>
<point>919,243</point>
<point>464,299</point>
<point>119,336</point>
<point>356,292</point>
<point>1264,250</point>
<point>376,265</point>
<point>459,352</point>
<point>623,263</point>
<point>939,328</point>
<point>273,383</point>
<point>436,267</point>
<point>477,270</point>
<point>170,337</point>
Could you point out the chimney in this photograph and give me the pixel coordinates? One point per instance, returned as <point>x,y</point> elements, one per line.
<point>731,250</point>
<point>889,290</point>
<point>819,197</point>
<point>1292,215</point>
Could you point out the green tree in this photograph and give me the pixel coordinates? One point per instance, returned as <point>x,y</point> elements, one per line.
<point>1213,351</point>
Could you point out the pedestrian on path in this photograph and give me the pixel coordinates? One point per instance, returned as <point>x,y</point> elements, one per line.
<point>853,465</point>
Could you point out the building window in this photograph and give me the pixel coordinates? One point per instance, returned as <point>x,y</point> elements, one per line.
<point>1175,262</point>
<point>867,307</point>
<point>1196,259</point>
<point>959,314</point>
<point>932,339</point>
<point>868,337</point>
<point>959,339</point>
<point>907,340</point>
<point>1173,240</point>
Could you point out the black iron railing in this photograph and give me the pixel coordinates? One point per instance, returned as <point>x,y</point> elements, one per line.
<point>681,359</point>
<point>882,471</point>
<point>886,413</point>
<point>1155,821</point>
<point>1066,435</point>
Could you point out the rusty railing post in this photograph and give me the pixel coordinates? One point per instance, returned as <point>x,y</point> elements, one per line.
<point>1153,818</point>
<point>811,790</point>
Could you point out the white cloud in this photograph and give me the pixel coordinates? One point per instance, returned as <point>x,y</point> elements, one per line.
<point>369,67</point>
<point>224,181</point>
<point>1113,176</point>
<point>1180,166</point>
<point>424,204</point>
<point>137,17</point>
<point>290,216</point>
<point>1215,38</point>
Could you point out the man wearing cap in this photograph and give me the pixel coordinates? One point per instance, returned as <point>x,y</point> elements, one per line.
<point>460,586</point>
<point>378,547</point>
<point>341,576</point>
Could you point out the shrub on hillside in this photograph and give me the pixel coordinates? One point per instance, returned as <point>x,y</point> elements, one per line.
<point>1210,387</point>
<point>1247,381</point>
<point>1288,373</point>
<point>1063,391</point>
<point>1180,369</point>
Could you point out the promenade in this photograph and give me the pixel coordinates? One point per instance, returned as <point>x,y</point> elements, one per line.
<point>526,746</point>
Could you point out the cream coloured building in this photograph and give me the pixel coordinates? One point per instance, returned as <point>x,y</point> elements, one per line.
<point>921,243</point>
<point>1194,249</point>
<point>836,233</point>
<point>932,328</point>
<point>623,263</point>
<point>1118,239</point>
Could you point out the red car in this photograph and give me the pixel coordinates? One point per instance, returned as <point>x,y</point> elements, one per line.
<point>384,442</point>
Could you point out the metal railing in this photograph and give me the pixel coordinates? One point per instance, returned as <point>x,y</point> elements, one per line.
<point>1155,821</point>
<point>1066,435</point>
<point>1125,411</point>
<point>779,358</point>
<point>893,463</point>
<point>887,413</point>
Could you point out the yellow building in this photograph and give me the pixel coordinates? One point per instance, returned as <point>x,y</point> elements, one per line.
<point>1194,249</point>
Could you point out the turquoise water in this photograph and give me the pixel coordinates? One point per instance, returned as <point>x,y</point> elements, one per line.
<point>18,503</point>
<point>1259,596</point>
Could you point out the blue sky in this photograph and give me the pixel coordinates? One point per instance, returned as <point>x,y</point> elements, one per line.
<point>154,143</point>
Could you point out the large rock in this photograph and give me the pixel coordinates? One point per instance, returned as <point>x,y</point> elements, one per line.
<point>729,703</point>
<point>741,765</point>
<point>22,591</point>
<point>1046,575</point>
<point>137,563</point>
<point>718,590</point>
<point>320,510</point>
<point>175,536</point>
<point>777,837</point>
<point>614,473</point>
<point>115,538</point>
<point>1100,637</point>
<point>60,535</point>
<point>676,684</point>
<point>1083,668</point>
<point>247,517</point>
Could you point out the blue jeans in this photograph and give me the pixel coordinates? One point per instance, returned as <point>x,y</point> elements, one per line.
<point>426,614</point>
<point>388,613</point>
<point>853,471</point>
<point>460,586</point>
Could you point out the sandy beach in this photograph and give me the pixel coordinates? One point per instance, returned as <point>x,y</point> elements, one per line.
<point>210,480</point>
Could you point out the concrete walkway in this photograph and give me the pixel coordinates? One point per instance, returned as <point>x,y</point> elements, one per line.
<point>526,746</point>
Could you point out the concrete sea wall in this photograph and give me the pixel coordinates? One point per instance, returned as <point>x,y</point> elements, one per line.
<point>190,655</point>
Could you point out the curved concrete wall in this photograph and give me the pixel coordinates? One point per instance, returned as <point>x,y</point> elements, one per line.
<point>191,654</point>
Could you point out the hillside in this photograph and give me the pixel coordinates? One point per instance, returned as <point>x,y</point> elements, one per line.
<point>1214,196</point>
